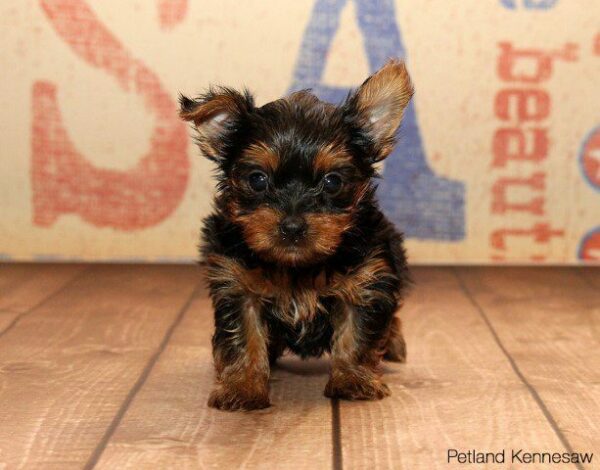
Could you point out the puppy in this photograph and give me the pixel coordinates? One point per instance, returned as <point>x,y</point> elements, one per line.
<point>299,257</point>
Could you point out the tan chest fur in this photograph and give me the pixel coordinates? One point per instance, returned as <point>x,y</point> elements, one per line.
<point>296,297</point>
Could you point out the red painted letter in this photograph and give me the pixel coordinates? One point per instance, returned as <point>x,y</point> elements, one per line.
<point>527,105</point>
<point>512,143</point>
<point>531,65</point>
<point>63,181</point>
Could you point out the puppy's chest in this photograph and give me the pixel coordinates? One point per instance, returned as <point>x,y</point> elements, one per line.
<point>296,298</point>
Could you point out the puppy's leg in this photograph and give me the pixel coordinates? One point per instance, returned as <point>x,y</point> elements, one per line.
<point>276,348</point>
<point>355,356</point>
<point>241,356</point>
<point>395,347</point>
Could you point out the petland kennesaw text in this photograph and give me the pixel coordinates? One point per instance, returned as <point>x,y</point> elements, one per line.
<point>517,456</point>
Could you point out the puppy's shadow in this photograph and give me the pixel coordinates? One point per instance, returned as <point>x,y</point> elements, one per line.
<point>314,367</point>
<point>307,367</point>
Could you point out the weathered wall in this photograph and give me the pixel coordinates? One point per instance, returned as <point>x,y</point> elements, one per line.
<point>500,152</point>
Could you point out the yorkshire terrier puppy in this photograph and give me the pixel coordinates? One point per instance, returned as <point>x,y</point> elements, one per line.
<point>299,257</point>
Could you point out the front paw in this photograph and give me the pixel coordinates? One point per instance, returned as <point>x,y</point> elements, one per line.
<point>395,350</point>
<point>233,399</point>
<point>350,387</point>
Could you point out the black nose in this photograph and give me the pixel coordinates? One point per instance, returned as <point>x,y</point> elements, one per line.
<point>292,227</point>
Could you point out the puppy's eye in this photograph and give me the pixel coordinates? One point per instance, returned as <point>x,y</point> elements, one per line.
<point>258,181</point>
<point>332,183</point>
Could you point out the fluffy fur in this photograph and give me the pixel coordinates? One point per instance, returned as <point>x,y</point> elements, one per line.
<point>299,256</point>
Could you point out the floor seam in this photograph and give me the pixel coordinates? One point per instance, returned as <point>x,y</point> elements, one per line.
<point>533,392</point>
<point>49,297</point>
<point>336,435</point>
<point>139,383</point>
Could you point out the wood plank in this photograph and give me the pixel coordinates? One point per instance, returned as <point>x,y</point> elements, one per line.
<point>591,274</point>
<point>6,319</point>
<point>68,366</point>
<point>457,391</point>
<point>23,286</point>
<point>170,426</point>
<point>549,321</point>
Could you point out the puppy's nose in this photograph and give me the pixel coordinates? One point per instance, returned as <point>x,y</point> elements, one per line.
<point>293,227</point>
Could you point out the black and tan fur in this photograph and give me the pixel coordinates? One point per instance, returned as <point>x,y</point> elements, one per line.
<point>299,256</point>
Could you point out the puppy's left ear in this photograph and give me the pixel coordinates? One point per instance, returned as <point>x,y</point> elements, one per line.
<point>217,115</point>
<point>378,105</point>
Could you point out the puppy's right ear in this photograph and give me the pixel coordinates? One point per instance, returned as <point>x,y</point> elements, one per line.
<point>217,116</point>
<point>378,105</point>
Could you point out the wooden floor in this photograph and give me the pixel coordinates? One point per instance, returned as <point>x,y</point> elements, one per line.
<point>110,367</point>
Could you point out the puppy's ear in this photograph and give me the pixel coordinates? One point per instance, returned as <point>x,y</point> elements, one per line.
<point>378,105</point>
<point>217,116</point>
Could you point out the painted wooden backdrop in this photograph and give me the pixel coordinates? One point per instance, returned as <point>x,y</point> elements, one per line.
<point>500,151</point>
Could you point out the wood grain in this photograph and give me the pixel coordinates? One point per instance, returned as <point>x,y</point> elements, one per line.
<point>549,321</point>
<point>22,286</point>
<point>591,275</point>
<point>7,318</point>
<point>90,374</point>
<point>169,425</point>
<point>457,390</point>
<point>67,367</point>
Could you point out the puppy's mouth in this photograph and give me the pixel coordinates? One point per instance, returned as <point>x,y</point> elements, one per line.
<point>295,251</point>
<point>293,246</point>
<point>292,243</point>
<point>293,254</point>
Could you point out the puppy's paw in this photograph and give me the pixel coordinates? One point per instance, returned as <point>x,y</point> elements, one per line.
<point>351,388</point>
<point>395,350</point>
<point>223,398</point>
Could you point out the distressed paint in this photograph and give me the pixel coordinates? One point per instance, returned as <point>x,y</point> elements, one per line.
<point>499,155</point>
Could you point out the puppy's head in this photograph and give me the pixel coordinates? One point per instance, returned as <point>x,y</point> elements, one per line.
<point>293,172</point>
